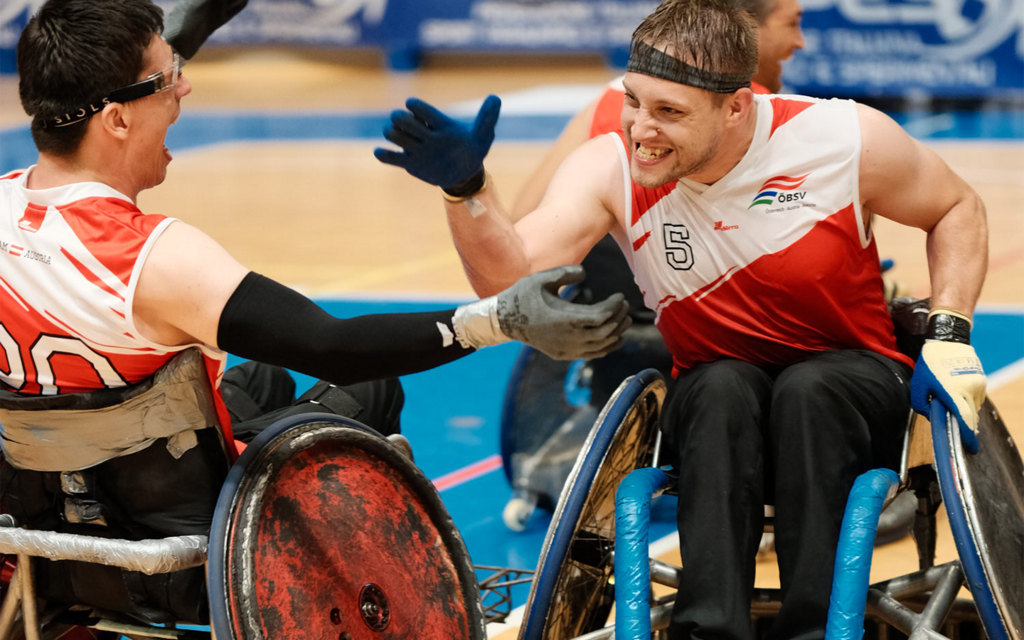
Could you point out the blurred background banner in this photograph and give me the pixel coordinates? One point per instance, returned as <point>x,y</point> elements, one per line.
<point>969,48</point>
<point>941,48</point>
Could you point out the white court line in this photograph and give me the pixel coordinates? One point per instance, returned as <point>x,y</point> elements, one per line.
<point>663,545</point>
<point>548,100</point>
<point>998,308</point>
<point>1005,375</point>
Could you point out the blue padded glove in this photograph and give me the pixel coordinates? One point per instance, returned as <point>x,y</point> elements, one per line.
<point>439,150</point>
<point>949,370</point>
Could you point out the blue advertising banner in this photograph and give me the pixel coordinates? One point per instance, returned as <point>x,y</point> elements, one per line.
<point>936,47</point>
<point>854,47</point>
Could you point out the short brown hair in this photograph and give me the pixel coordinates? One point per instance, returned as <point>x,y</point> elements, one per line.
<point>74,52</point>
<point>719,36</point>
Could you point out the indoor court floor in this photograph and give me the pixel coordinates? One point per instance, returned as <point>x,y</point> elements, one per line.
<point>273,158</point>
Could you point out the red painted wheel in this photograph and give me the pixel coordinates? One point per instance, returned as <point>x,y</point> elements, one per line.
<point>333,533</point>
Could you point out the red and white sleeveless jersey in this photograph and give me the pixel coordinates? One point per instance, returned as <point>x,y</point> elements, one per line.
<point>70,259</point>
<point>772,262</point>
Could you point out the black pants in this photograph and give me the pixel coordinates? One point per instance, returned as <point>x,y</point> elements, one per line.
<point>796,438</point>
<point>257,395</point>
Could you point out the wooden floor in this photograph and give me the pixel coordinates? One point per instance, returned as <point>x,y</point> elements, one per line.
<point>327,218</point>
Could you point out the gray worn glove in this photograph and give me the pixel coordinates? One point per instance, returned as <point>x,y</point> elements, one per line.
<point>531,311</point>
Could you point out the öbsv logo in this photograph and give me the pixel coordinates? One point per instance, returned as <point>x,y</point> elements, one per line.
<point>780,189</point>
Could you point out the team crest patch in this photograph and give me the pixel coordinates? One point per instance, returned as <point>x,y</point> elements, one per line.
<point>772,187</point>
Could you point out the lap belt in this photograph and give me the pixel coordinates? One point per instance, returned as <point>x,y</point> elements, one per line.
<point>70,432</point>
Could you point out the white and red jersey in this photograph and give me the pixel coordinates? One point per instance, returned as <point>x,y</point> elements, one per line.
<point>70,259</point>
<point>772,262</point>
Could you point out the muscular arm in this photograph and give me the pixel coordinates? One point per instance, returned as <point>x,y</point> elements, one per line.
<point>579,207</point>
<point>904,181</point>
<point>185,283</point>
<point>191,290</point>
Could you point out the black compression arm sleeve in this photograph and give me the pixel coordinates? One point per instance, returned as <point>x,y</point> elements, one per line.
<point>268,322</point>
<point>191,22</point>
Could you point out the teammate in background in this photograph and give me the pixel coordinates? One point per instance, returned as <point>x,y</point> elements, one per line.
<point>746,221</point>
<point>112,293</point>
<point>778,36</point>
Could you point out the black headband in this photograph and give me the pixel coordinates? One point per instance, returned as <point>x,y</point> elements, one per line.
<point>649,61</point>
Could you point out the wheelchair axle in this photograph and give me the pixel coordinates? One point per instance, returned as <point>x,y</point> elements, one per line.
<point>374,607</point>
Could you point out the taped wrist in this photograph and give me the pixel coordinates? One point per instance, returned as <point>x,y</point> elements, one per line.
<point>476,324</point>
<point>948,325</point>
<point>268,322</point>
<point>475,184</point>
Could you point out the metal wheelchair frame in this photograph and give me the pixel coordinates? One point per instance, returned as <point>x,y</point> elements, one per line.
<point>579,556</point>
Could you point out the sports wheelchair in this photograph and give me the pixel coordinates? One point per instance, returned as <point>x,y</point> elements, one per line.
<point>321,528</point>
<point>575,585</point>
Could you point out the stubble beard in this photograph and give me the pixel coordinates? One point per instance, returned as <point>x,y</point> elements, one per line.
<point>676,170</point>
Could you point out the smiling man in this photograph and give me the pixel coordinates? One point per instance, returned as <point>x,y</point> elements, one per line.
<point>746,222</point>
<point>778,36</point>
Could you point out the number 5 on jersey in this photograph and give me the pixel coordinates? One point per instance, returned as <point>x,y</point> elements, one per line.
<point>677,250</point>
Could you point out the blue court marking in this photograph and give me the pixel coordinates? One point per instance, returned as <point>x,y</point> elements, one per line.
<point>998,338</point>
<point>963,125</point>
<point>469,392</point>
<point>196,129</point>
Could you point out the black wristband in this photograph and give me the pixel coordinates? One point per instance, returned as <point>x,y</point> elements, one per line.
<point>948,328</point>
<point>468,187</point>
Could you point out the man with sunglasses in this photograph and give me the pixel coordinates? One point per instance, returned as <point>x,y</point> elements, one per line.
<point>103,88</point>
<point>746,220</point>
<point>97,294</point>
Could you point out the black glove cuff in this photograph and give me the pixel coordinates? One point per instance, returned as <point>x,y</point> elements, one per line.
<point>468,187</point>
<point>948,328</point>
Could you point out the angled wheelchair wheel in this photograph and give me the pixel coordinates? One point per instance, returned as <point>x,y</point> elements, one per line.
<point>535,392</point>
<point>984,498</point>
<point>326,530</point>
<point>572,592</point>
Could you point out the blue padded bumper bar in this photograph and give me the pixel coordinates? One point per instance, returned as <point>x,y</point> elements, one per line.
<point>632,559</point>
<point>851,578</point>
